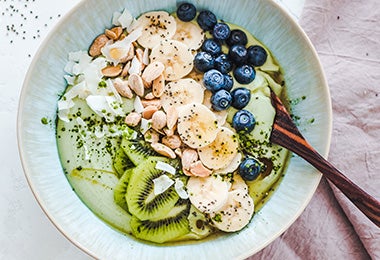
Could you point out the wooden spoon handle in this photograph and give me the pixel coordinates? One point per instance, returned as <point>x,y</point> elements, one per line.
<point>293,140</point>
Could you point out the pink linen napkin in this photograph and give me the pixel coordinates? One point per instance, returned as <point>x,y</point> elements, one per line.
<point>346,35</point>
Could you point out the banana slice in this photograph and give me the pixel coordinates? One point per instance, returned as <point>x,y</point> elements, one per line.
<point>208,194</point>
<point>232,166</point>
<point>236,213</point>
<point>176,57</point>
<point>221,152</point>
<point>238,183</point>
<point>156,26</point>
<point>181,92</point>
<point>197,126</point>
<point>189,34</point>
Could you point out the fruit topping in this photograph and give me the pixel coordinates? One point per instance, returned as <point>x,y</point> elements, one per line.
<point>249,169</point>
<point>186,12</point>
<point>243,120</point>
<point>244,74</point>
<point>240,97</point>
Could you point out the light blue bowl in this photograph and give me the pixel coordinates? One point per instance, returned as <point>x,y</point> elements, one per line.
<point>38,150</point>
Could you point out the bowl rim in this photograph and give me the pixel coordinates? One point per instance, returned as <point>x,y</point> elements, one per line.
<point>41,202</point>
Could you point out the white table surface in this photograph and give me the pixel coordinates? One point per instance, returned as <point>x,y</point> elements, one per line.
<point>25,232</point>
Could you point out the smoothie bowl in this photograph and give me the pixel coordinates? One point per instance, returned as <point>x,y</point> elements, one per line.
<point>144,129</point>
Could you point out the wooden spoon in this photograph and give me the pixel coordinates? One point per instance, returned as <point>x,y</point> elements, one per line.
<point>286,134</point>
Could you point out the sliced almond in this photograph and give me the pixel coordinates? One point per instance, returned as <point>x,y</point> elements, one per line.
<point>122,88</point>
<point>110,34</point>
<point>136,84</point>
<point>158,86</point>
<point>133,119</point>
<point>151,136</point>
<point>189,156</point>
<point>173,141</point>
<point>130,55</point>
<point>126,68</point>
<point>118,30</point>
<point>198,169</point>
<point>97,45</point>
<point>150,96</point>
<point>163,150</point>
<point>149,111</point>
<point>147,84</point>
<point>159,120</point>
<point>171,117</point>
<point>153,71</point>
<point>151,102</point>
<point>112,71</point>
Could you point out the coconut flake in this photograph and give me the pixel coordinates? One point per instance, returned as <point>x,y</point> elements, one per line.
<point>145,125</point>
<point>161,184</point>
<point>165,167</point>
<point>125,19</point>
<point>179,187</point>
<point>145,58</point>
<point>137,104</point>
<point>113,90</point>
<point>136,66</point>
<point>115,18</point>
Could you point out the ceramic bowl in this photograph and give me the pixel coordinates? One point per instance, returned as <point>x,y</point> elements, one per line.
<point>38,149</point>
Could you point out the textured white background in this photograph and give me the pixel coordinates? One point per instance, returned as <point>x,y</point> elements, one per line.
<point>25,232</point>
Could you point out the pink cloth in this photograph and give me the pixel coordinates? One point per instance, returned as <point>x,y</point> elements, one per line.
<point>346,35</point>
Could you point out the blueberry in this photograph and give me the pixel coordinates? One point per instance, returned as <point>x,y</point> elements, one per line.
<point>249,169</point>
<point>223,63</point>
<point>257,55</point>
<point>206,20</point>
<point>213,80</point>
<point>243,120</point>
<point>203,61</point>
<point>228,82</point>
<point>186,12</point>
<point>221,31</point>
<point>244,74</point>
<point>238,54</point>
<point>237,37</point>
<point>212,47</point>
<point>221,100</point>
<point>240,97</point>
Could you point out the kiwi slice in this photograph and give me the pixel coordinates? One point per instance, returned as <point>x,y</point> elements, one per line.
<point>175,224</point>
<point>121,189</point>
<point>140,197</point>
<point>121,162</point>
<point>137,150</point>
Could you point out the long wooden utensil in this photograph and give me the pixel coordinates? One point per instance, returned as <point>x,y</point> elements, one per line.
<point>286,134</point>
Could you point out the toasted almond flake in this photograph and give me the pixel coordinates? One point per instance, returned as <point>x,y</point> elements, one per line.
<point>172,141</point>
<point>129,56</point>
<point>110,34</point>
<point>151,102</point>
<point>139,54</point>
<point>153,71</point>
<point>158,86</point>
<point>163,150</point>
<point>178,152</point>
<point>118,31</point>
<point>161,184</point>
<point>127,66</point>
<point>133,119</point>
<point>97,45</point>
<point>165,167</point>
<point>147,85</point>
<point>159,120</point>
<point>112,71</point>
<point>198,169</point>
<point>151,136</point>
<point>145,59</point>
<point>169,132</point>
<point>171,117</point>
<point>149,96</point>
<point>148,112</point>
<point>122,88</point>
<point>136,84</point>
<point>189,156</point>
